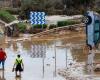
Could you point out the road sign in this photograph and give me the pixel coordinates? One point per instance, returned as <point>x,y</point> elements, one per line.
<point>37,18</point>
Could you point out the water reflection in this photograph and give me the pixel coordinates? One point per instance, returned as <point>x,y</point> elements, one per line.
<point>18,78</point>
<point>19,48</point>
<point>2,77</point>
<point>74,55</point>
<point>38,51</point>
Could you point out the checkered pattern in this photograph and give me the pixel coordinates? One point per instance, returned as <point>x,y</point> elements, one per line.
<point>37,18</point>
<point>38,51</point>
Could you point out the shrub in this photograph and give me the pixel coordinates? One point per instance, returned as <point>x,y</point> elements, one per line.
<point>52,26</point>
<point>37,28</point>
<point>22,27</point>
<point>40,26</point>
<point>6,16</point>
<point>65,23</point>
<point>12,10</point>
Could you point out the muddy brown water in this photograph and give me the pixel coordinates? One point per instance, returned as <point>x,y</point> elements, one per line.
<point>75,54</point>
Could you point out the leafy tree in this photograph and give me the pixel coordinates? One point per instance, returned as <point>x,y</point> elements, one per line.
<point>29,5</point>
<point>77,3</point>
<point>51,5</point>
<point>78,6</point>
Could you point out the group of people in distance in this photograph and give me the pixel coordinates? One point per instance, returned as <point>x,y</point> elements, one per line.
<point>18,64</point>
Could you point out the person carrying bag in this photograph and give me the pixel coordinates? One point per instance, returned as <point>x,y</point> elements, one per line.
<point>18,66</point>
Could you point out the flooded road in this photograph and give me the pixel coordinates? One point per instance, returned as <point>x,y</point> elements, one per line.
<point>33,66</point>
<point>68,52</point>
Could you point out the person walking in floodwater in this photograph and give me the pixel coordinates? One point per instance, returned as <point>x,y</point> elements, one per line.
<point>18,66</point>
<point>3,57</point>
<point>90,59</point>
